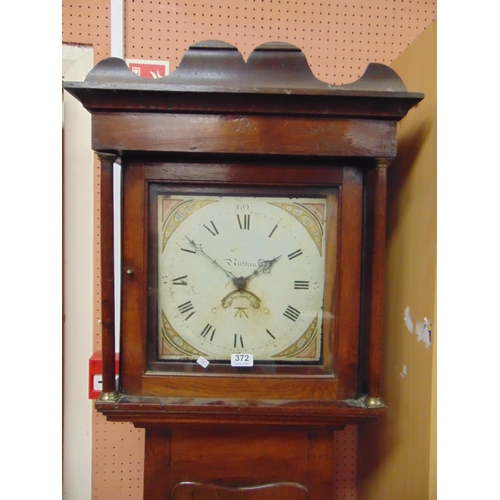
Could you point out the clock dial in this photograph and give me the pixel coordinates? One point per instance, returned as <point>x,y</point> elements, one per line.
<point>240,275</point>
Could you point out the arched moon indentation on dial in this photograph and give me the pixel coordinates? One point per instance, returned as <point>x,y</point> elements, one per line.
<point>245,294</point>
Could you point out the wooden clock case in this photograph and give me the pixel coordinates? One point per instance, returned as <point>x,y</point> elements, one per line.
<point>267,124</point>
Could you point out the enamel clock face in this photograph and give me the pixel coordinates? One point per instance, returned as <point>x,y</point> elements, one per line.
<point>240,274</point>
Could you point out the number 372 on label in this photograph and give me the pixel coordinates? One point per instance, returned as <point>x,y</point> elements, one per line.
<point>241,359</point>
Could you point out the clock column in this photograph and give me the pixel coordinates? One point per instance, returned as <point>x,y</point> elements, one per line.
<point>107,268</point>
<point>375,220</point>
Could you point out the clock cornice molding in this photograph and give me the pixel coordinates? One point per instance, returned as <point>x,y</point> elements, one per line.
<point>276,79</point>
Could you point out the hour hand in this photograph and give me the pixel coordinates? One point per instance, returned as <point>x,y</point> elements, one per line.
<point>264,267</point>
<point>198,249</point>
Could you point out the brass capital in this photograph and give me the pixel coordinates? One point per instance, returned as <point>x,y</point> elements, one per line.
<point>383,162</point>
<point>374,402</point>
<point>108,397</point>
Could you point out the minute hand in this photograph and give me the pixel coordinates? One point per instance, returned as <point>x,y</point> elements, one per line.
<point>198,248</point>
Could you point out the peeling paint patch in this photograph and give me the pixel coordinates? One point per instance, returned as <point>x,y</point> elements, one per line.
<point>408,321</point>
<point>423,329</point>
<point>424,332</point>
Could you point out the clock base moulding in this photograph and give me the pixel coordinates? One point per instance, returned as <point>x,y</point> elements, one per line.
<point>148,410</point>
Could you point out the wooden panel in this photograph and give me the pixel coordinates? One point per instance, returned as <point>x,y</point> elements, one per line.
<point>395,451</point>
<point>134,275</point>
<point>232,173</point>
<point>254,456</point>
<point>202,491</point>
<point>312,388</point>
<point>157,459</point>
<point>349,273</point>
<point>243,134</point>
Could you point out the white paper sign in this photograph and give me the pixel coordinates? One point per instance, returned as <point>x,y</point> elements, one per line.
<point>202,361</point>
<point>241,359</point>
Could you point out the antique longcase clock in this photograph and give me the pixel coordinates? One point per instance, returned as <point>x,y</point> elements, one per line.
<point>253,228</point>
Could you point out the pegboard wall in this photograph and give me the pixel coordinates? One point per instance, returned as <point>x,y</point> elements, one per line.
<point>117,460</point>
<point>88,22</point>
<point>339,39</point>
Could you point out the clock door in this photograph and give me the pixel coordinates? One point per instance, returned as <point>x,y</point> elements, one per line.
<point>241,280</point>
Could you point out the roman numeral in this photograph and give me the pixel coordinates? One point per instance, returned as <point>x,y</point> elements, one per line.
<point>272,232</point>
<point>244,221</point>
<point>185,308</point>
<point>181,280</point>
<point>291,313</point>
<point>212,230</point>
<point>294,254</point>
<point>206,331</point>
<point>269,333</point>
<point>238,340</point>
<point>301,285</point>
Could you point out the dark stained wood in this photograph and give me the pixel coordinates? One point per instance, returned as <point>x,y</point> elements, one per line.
<point>157,461</point>
<point>106,265</point>
<point>293,460</point>
<point>241,134</point>
<point>275,80</point>
<point>320,463</point>
<point>204,491</point>
<point>221,125</point>
<point>379,208</point>
<point>301,386</point>
<point>347,292</point>
<point>134,276</point>
<point>152,410</point>
<point>252,456</point>
<point>373,279</point>
<point>246,173</point>
<point>343,103</point>
<point>321,383</point>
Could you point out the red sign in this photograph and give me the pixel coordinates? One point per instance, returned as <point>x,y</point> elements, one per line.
<point>149,69</point>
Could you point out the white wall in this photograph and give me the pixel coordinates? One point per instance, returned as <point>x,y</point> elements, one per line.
<point>78,271</point>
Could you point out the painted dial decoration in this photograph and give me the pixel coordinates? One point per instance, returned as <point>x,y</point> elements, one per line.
<point>240,275</point>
